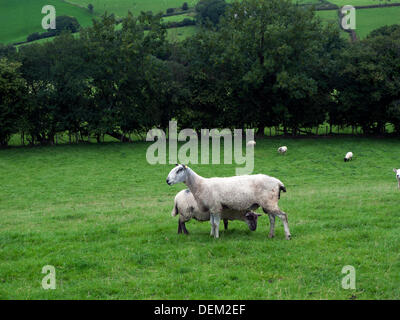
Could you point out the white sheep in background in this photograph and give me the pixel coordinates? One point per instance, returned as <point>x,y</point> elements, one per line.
<point>348,157</point>
<point>251,143</point>
<point>397,171</point>
<point>282,150</point>
<point>239,193</point>
<point>186,206</point>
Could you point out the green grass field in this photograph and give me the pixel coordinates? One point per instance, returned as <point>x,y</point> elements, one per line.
<point>370,19</point>
<point>342,3</point>
<point>121,7</point>
<point>18,19</point>
<point>179,34</point>
<point>100,214</point>
<point>366,19</point>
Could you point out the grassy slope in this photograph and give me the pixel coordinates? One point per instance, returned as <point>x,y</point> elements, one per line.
<point>370,19</point>
<point>366,19</point>
<point>341,3</point>
<point>20,18</point>
<point>101,215</point>
<point>179,34</point>
<point>121,7</point>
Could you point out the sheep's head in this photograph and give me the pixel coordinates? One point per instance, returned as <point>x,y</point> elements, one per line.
<point>177,174</point>
<point>397,171</point>
<point>251,220</point>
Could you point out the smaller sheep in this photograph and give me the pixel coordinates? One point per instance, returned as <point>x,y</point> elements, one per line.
<point>397,171</point>
<point>251,143</point>
<point>186,205</point>
<point>282,150</point>
<point>348,157</point>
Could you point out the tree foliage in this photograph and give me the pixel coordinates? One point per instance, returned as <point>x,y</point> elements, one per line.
<point>265,63</point>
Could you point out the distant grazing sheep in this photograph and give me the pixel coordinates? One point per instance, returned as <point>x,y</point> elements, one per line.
<point>239,193</point>
<point>186,206</point>
<point>348,157</point>
<point>251,143</point>
<point>282,150</point>
<point>397,171</point>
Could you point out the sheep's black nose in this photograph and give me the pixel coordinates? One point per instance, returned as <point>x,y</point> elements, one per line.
<point>168,182</point>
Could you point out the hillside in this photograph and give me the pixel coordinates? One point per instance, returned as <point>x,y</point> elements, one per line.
<point>121,7</point>
<point>20,18</point>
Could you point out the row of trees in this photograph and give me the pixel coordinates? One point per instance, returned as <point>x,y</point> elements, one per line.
<point>266,63</point>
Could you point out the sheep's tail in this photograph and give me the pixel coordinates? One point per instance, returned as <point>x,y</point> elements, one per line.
<point>174,210</point>
<point>281,188</point>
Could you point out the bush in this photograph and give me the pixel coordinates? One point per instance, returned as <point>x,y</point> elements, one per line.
<point>7,50</point>
<point>90,7</point>
<point>67,23</point>
<point>63,23</point>
<point>185,6</point>
<point>34,36</point>
<point>170,10</point>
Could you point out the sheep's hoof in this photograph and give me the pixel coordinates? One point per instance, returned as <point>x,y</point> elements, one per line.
<point>271,236</point>
<point>288,237</point>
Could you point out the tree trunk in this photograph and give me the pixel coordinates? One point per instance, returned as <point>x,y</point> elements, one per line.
<point>118,136</point>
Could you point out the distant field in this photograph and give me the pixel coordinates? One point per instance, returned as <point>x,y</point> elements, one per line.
<point>341,3</point>
<point>179,34</point>
<point>20,18</point>
<point>178,18</point>
<point>121,7</point>
<point>366,19</point>
<point>370,19</point>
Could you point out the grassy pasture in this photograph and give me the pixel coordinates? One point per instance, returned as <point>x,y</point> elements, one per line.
<point>101,215</point>
<point>366,19</point>
<point>20,18</point>
<point>121,7</point>
<point>370,19</point>
<point>354,3</point>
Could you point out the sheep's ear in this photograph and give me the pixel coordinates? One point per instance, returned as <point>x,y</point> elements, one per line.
<point>176,165</point>
<point>395,170</point>
<point>186,166</point>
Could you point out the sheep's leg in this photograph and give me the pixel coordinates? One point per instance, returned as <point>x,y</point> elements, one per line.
<point>226,224</point>
<point>217,219</point>
<point>179,227</point>
<point>271,225</point>
<point>184,228</point>
<point>398,182</point>
<point>212,233</point>
<point>283,217</point>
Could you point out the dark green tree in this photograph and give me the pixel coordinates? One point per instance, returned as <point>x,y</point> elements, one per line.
<point>12,97</point>
<point>210,10</point>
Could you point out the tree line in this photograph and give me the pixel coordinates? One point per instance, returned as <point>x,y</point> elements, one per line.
<point>266,63</point>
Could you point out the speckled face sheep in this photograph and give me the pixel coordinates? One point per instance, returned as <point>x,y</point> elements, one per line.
<point>186,206</point>
<point>282,150</point>
<point>397,171</point>
<point>239,193</point>
<point>348,157</point>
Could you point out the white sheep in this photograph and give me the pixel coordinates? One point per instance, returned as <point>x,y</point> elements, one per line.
<point>239,193</point>
<point>251,143</point>
<point>282,150</point>
<point>348,156</point>
<point>397,171</point>
<point>186,206</point>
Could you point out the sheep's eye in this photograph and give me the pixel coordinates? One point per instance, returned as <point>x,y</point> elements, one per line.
<point>179,170</point>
